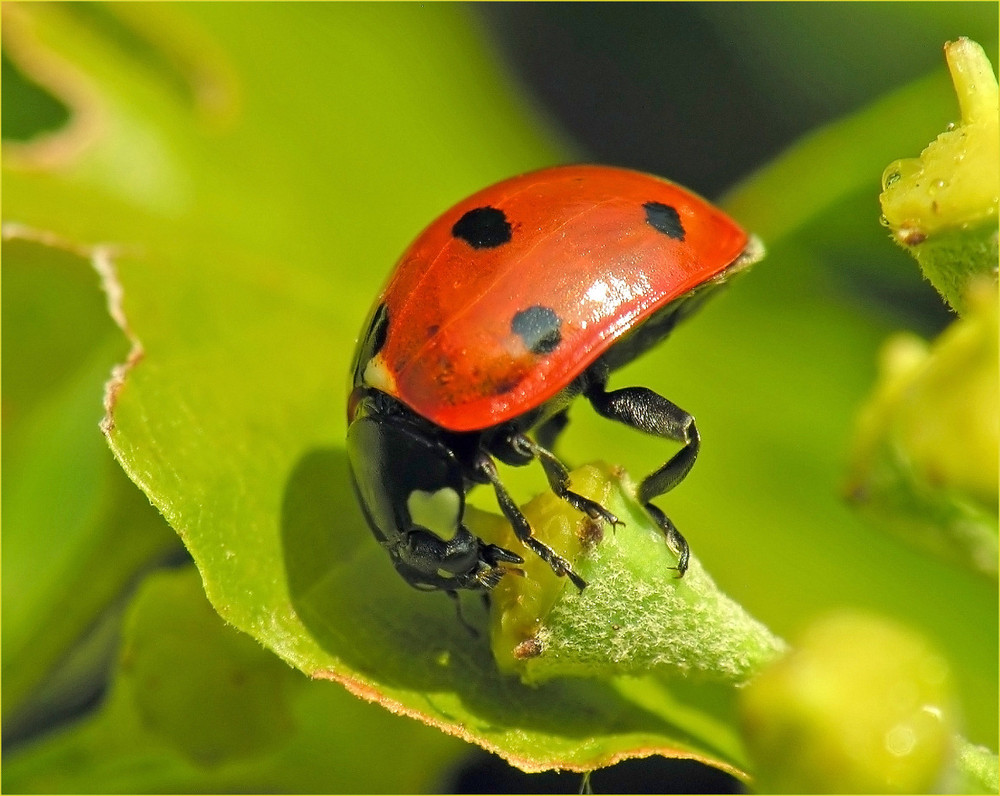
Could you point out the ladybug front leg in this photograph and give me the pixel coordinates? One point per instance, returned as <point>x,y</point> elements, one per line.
<point>522,528</point>
<point>645,410</point>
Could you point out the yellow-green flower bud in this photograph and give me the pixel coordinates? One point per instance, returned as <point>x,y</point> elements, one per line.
<point>927,446</point>
<point>942,206</point>
<point>861,705</point>
<point>634,617</point>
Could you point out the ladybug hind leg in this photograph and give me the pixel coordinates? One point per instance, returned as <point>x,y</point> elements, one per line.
<point>645,410</point>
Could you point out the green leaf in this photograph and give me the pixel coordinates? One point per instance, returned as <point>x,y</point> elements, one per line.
<point>227,682</point>
<point>978,768</point>
<point>256,189</point>
<point>75,529</point>
<point>635,617</point>
<point>197,707</point>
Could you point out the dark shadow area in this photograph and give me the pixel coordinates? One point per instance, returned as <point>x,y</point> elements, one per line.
<point>486,773</point>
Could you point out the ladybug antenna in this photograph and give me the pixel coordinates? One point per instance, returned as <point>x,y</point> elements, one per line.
<point>461,616</point>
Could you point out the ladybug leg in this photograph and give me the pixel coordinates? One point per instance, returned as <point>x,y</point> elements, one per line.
<point>676,542</point>
<point>457,602</point>
<point>558,477</point>
<point>549,431</point>
<point>645,410</point>
<point>522,528</point>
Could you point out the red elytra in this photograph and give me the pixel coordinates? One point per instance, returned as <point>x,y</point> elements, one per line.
<point>580,244</point>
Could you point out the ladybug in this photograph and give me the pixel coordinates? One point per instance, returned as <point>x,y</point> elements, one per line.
<point>506,308</point>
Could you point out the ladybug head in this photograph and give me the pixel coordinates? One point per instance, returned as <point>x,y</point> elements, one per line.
<point>411,488</point>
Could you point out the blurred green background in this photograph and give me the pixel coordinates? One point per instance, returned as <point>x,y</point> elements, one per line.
<point>251,172</point>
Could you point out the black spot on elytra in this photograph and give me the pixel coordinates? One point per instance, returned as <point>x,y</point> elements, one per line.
<point>539,328</point>
<point>664,218</point>
<point>483,228</point>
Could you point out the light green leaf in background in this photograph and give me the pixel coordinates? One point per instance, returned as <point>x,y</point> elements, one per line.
<point>75,526</point>
<point>199,707</point>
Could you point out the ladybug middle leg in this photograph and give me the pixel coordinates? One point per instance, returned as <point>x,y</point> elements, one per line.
<point>558,477</point>
<point>549,431</point>
<point>645,410</point>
